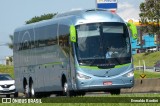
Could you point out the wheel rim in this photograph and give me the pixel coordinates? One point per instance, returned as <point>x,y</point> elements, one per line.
<point>65,87</point>
<point>26,90</point>
<point>32,90</point>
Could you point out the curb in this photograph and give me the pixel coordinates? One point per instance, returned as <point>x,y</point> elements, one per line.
<point>143,86</point>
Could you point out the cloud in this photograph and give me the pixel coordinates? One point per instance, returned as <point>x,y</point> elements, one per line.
<point>128,10</point>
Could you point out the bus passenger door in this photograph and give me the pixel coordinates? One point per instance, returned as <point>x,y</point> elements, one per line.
<point>72,67</point>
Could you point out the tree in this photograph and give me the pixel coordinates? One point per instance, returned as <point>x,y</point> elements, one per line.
<point>40,18</point>
<point>10,45</point>
<point>150,18</point>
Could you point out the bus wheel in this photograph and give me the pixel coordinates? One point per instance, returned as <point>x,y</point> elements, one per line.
<point>115,92</point>
<point>26,91</point>
<point>66,91</point>
<point>82,93</point>
<point>32,91</point>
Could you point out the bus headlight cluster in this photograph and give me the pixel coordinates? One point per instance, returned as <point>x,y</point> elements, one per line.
<point>130,74</point>
<point>82,76</point>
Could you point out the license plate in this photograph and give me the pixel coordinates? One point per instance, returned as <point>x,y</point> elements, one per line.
<point>6,89</point>
<point>107,83</point>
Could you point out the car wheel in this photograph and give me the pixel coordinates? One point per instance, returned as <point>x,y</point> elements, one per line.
<point>8,95</point>
<point>16,94</point>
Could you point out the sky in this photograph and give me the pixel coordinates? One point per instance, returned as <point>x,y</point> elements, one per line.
<point>14,13</point>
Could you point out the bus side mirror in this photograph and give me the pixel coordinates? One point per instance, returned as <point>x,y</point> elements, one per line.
<point>133,29</point>
<point>72,33</point>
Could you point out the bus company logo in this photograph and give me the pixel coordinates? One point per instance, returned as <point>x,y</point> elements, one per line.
<point>6,100</point>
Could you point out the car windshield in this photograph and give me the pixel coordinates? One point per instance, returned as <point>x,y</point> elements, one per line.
<point>104,42</point>
<point>5,77</point>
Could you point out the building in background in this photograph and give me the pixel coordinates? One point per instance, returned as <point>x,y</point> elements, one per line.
<point>145,42</point>
<point>9,60</point>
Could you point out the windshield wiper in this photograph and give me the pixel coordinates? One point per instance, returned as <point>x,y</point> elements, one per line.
<point>96,57</point>
<point>91,61</point>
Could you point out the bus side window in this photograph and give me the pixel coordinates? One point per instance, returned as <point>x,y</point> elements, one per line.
<point>50,35</point>
<point>64,37</point>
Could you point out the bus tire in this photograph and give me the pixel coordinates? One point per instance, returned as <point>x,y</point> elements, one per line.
<point>39,95</point>
<point>26,91</point>
<point>32,91</point>
<point>66,90</point>
<point>81,93</point>
<point>115,92</point>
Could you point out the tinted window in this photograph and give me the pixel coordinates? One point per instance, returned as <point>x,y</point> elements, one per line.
<point>5,77</point>
<point>39,37</point>
<point>103,42</point>
<point>64,37</point>
<point>46,36</point>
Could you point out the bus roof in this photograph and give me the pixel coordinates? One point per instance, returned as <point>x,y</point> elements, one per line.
<point>91,16</point>
<point>78,17</point>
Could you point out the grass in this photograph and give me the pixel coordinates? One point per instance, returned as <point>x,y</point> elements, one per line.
<point>122,97</point>
<point>7,69</point>
<point>86,104</point>
<point>137,74</point>
<point>149,58</point>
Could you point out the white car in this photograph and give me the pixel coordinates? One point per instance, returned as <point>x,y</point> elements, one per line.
<point>7,85</point>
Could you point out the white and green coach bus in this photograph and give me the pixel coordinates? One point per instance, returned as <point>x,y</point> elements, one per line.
<point>74,53</point>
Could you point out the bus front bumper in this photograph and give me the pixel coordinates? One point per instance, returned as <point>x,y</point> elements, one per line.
<point>95,84</point>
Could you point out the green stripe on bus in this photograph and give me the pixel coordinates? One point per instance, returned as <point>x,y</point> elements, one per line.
<point>53,63</point>
<point>90,67</point>
<point>96,68</point>
<point>119,66</point>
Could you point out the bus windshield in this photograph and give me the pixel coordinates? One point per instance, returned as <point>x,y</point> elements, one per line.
<point>103,44</point>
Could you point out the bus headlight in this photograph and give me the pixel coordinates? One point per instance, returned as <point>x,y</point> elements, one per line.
<point>130,74</point>
<point>82,76</point>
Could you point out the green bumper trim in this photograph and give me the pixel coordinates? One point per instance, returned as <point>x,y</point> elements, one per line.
<point>96,68</point>
<point>90,67</point>
<point>119,66</point>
